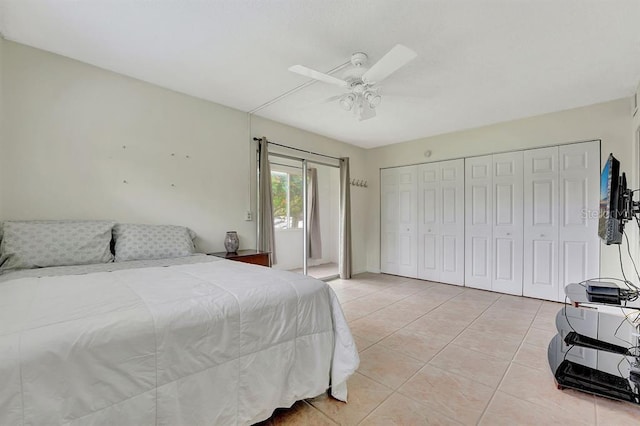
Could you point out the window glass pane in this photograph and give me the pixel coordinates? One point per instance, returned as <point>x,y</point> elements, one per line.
<point>295,200</point>
<point>279,190</point>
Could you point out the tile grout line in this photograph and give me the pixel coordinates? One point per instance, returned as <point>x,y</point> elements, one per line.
<point>320,411</point>
<point>512,361</point>
<point>394,391</point>
<point>386,287</point>
<point>509,366</point>
<point>420,317</point>
<point>445,346</point>
<point>465,289</point>
<point>411,322</point>
<point>384,307</point>
<point>451,342</point>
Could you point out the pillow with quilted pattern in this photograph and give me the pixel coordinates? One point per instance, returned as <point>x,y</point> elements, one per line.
<point>39,244</point>
<point>143,242</point>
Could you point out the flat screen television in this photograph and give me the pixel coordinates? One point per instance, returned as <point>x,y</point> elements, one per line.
<point>610,220</point>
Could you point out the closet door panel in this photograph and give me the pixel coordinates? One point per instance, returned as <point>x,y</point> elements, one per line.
<point>451,262</point>
<point>579,254</point>
<point>478,221</point>
<point>542,255</point>
<point>508,228</point>
<point>429,205</point>
<point>478,266</point>
<point>452,224</point>
<point>389,221</point>
<point>541,223</point>
<point>407,222</point>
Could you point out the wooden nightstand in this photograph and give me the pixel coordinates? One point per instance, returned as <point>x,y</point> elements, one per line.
<point>247,256</point>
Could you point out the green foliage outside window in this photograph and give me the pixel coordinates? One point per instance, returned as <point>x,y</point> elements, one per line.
<point>287,200</point>
<point>279,188</point>
<point>295,201</point>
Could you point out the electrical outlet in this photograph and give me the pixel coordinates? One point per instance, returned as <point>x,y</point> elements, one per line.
<point>248,216</point>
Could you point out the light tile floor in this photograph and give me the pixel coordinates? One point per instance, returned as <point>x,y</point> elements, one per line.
<point>441,354</point>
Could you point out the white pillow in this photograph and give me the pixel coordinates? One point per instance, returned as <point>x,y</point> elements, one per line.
<point>142,242</point>
<point>39,244</point>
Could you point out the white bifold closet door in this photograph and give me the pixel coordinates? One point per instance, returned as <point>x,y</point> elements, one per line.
<point>508,223</point>
<point>399,190</point>
<point>561,244</point>
<point>541,223</point>
<point>494,222</point>
<point>441,221</point>
<point>478,221</point>
<point>579,243</point>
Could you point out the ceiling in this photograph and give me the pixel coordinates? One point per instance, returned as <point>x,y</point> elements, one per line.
<point>479,62</point>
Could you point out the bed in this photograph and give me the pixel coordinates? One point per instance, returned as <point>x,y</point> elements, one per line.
<point>189,340</point>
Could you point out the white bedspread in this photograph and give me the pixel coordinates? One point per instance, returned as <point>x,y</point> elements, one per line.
<point>218,342</point>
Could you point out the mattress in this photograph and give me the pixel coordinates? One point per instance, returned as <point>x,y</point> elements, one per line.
<point>197,340</point>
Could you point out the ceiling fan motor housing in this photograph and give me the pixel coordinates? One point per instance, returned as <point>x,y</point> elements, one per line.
<point>358,59</point>
<point>353,75</point>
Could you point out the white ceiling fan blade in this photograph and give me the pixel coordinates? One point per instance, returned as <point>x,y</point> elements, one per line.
<point>322,101</point>
<point>395,59</point>
<point>331,99</point>
<point>317,75</point>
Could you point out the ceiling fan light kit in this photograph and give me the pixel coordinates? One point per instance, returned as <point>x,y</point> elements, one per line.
<point>372,98</point>
<point>361,81</point>
<point>347,101</point>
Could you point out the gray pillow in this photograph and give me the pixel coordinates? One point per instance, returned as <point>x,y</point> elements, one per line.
<point>39,244</point>
<point>142,242</point>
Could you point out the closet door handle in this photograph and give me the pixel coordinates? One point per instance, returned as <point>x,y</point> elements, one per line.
<point>541,235</point>
<point>508,233</point>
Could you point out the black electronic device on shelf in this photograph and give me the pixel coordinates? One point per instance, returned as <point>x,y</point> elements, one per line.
<point>603,292</point>
<point>587,379</point>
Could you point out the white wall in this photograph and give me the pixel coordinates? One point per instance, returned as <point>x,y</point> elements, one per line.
<point>80,142</point>
<point>610,122</point>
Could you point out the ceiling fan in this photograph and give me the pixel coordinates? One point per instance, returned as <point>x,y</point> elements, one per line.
<point>362,95</point>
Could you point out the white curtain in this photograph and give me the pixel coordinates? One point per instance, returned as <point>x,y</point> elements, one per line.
<point>266,237</point>
<point>315,239</point>
<point>345,220</point>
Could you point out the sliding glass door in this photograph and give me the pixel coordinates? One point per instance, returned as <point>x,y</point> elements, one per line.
<point>305,215</point>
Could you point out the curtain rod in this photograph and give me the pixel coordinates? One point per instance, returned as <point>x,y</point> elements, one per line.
<point>298,149</point>
<point>285,165</point>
